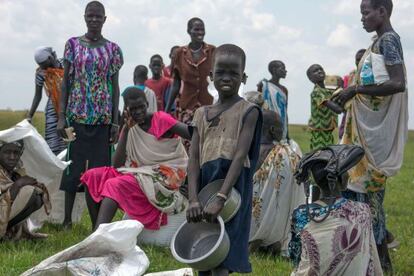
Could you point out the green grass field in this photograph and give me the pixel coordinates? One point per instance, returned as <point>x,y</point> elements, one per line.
<point>17,257</point>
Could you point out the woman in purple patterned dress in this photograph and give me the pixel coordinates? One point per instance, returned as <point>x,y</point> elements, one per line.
<point>89,101</point>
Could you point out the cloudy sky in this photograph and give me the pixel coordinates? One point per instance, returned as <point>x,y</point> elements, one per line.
<point>299,32</point>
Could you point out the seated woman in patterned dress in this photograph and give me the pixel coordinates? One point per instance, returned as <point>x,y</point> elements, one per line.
<point>149,166</point>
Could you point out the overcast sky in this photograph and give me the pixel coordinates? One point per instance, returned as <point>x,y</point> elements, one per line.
<point>298,32</point>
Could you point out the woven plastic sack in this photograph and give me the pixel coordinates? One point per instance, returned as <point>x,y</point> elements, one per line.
<point>110,250</point>
<point>179,272</point>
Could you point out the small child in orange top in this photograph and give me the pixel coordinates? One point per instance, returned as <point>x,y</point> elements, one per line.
<point>158,83</point>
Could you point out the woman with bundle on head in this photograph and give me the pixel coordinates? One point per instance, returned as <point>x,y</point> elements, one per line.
<point>89,102</point>
<point>333,235</point>
<point>49,75</point>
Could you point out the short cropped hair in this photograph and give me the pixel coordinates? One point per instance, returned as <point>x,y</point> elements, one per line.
<point>231,49</point>
<point>387,4</point>
<point>273,64</point>
<point>156,56</point>
<point>173,48</point>
<point>140,71</point>
<point>193,20</point>
<point>95,3</point>
<point>133,93</point>
<point>308,72</point>
<point>361,51</point>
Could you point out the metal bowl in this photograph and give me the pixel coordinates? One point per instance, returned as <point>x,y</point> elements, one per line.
<point>232,204</point>
<point>202,246</point>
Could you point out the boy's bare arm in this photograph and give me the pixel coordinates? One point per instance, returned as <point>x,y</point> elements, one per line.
<point>194,211</point>
<point>63,100</point>
<point>36,100</point>
<point>260,87</point>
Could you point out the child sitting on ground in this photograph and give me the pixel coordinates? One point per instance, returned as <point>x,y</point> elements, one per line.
<point>158,83</point>
<point>275,192</point>
<point>225,145</point>
<point>20,195</point>
<point>333,235</point>
<point>324,112</point>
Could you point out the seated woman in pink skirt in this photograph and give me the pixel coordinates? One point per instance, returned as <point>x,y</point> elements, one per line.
<point>149,166</point>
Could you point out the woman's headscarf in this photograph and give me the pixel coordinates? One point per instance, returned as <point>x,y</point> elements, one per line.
<point>18,143</point>
<point>42,54</point>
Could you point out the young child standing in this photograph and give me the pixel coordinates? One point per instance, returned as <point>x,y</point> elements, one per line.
<point>275,95</point>
<point>225,145</point>
<point>140,77</point>
<point>324,112</point>
<point>158,83</point>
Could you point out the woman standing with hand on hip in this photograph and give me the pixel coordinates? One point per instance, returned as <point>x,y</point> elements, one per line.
<point>89,101</point>
<point>191,66</point>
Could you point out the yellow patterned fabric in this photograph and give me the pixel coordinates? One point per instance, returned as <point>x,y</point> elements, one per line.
<point>275,195</point>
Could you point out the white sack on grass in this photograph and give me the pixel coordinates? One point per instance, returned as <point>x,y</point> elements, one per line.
<point>110,250</point>
<point>40,163</point>
<point>179,272</point>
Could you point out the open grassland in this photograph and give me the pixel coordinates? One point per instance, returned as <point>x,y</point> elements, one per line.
<point>16,257</point>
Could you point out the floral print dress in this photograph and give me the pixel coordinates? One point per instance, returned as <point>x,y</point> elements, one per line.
<point>91,69</point>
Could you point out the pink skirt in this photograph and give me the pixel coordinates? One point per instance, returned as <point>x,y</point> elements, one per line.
<point>125,190</point>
